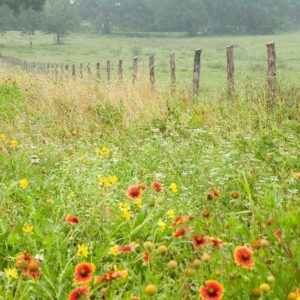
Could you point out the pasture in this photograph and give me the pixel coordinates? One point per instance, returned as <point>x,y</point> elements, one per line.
<point>121,192</point>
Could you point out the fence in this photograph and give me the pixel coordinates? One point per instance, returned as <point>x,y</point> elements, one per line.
<point>70,72</point>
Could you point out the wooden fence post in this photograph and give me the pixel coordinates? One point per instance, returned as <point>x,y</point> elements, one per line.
<point>89,71</point>
<point>81,71</point>
<point>108,71</point>
<point>120,69</point>
<point>271,69</point>
<point>73,72</point>
<point>196,77</point>
<point>67,71</point>
<point>173,72</point>
<point>152,70</point>
<point>134,69</point>
<point>230,71</point>
<point>98,70</point>
<point>56,71</point>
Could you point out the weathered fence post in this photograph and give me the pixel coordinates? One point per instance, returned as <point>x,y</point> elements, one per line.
<point>271,69</point>
<point>56,71</point>
<point>134,69</point>
<point>152,70</point>
<point>98,70</point>
<point>73,72</point>
<point>173,73</point>
<point>196,77</point>
<point>81,71</point>
<point>67,71</point>
<point>89,71</point>
<point>108,71</point>
<point>230,71</point>
<point>120,69</point>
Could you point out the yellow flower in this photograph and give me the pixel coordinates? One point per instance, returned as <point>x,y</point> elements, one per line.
<point>123,206</point>
<point>173,188</point>
<point>139,203</point>
<point>105,182</point>
<point>24,183</point>
<point>11,273</point>
<point>113,179</point>
<point>126,214</point>
<point>171,214</point>
<point>162,225</point>
<point>114,250</point>
<point>82,159</point>
<point>105,151</point>
<point>82,250</point>
<point>49,201</point>
<point>13,143</point>
<point>2,137</point>
<point>28,229</point>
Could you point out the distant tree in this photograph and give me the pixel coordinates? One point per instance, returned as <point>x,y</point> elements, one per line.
<point>59,18</point>
<point>18,5</point>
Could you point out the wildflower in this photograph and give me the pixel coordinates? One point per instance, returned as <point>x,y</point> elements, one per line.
<point>243,257</point>
<point>49,201</point>
<point>270,278</point>
<point>199,241</point>
<point>13,143</point>
<point>172,264</point>
<point>28,229</point>
<point>205,257</point>
<point>117,249</point>
<point>162,249</point>
<point>256,292</point>
<point>265,288</point>
<point>33,269</point>
<point>196,262</point>
<point>188,272</point>
<point>258,244</point>
<point>126,214</point>
<point>133,297</point>
<point>171,214</point>
<point>216,241</point>
<point>157,187</point>
<point>296,175</point>
<point>83,272</point>
<point>173,188</point>
<point>105,182</point>
<point>24,183</point>
<point>72,219</point>
<point>123,206</point>
<point>139,203</point>
<point>209,196</point>
<point>151,290</point>
<point>2,137</point>
<point>105,151</point>
<point>234,195</point>
<point>111,275</point>
<point>80,293</point>
<point>82,250</point>
<point>211,290</point>
<point>278,233</point>
<point>113,179</point>
<point>22,260</point>
<point>134,192</point>
<point>181,220</point>
<point>205,214</point>
<point>162,225</point>
<point>217,193</point>
<point>11,273</point>
<point>180,232</point>
<point>146,258</point>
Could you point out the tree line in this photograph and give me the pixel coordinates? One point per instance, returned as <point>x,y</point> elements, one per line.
<point>110,16</point>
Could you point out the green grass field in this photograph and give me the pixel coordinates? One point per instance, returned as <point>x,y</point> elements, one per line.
<point>250,55</point>
<point>72,227</point>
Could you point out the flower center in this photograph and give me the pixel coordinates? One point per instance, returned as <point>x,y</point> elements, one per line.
<point>211,291</point>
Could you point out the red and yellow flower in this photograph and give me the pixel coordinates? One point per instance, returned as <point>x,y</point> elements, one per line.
<point>181,220</point>
<point>72,219</point>
<point>111,275</point>
<point>117,249</point>
<point>243,257</point>
<point>157,186</point>
<point>80,293</point>
<point>83,272</point>
<point>211,290</point>
<point>134,192</point>
<point>199,241</point>
<point>180,232</point>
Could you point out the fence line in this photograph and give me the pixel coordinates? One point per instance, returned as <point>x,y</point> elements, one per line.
<point>53,69</point>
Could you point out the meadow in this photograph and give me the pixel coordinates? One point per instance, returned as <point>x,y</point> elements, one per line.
<point>115,192</point>
<point>250,55</point>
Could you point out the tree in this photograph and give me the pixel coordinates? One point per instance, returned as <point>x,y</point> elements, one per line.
<point>59,18</point>
<point>17,5</point>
